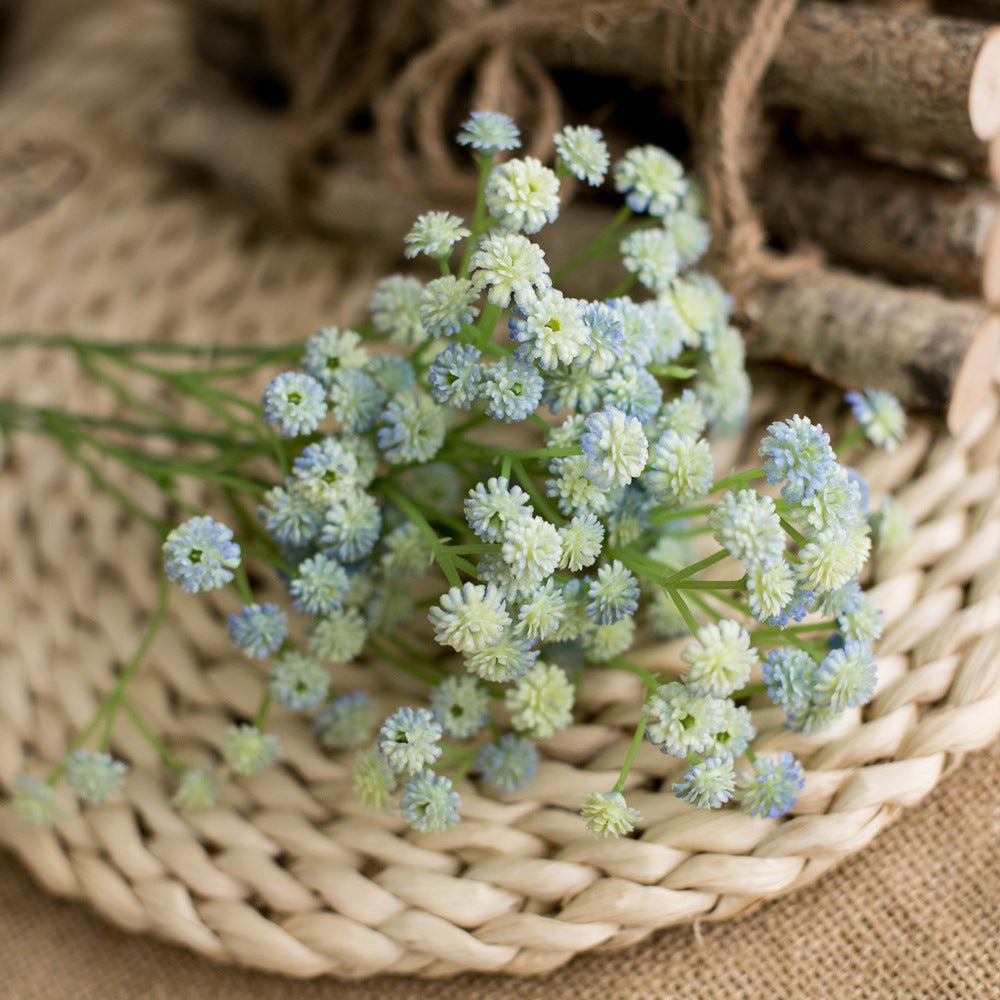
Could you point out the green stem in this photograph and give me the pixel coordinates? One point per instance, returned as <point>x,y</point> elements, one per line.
<point>737,480</point>
<point>651,680</point>
<point>683,609</point>
<point>260,717</point>
<point>107,709</point>
<point>403,502</point>
<point>633,750</point>
<point>599,247</point>
<point>541,503</point>
<point>479,218</point>
<point>400,664</point>
<point>748,692</point>
<point>795,535</point>
<point>152,739</point>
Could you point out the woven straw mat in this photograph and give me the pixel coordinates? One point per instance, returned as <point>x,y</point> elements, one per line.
<point>289,874</point>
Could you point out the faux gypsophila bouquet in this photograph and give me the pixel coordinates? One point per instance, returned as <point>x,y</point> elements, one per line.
<point>554,536</point>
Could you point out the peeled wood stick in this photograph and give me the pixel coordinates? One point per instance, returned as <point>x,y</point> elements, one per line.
<point>932,352</point>
<point>930,83</point>
<point>901,223</point>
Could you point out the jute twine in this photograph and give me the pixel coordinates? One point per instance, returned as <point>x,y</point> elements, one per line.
<point>715,54</point>
<point>289,873</point>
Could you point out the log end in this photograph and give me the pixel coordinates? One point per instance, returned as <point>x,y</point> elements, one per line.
<point>975,374</point>
<point>984,89</point>
<point>991,264</point>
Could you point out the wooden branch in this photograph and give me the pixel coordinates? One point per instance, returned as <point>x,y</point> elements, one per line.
<point>925,82</point>
<point>900,223</point>
<point>932,352</point>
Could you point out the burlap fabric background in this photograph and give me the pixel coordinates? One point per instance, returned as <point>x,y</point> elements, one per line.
<point>915,915</point>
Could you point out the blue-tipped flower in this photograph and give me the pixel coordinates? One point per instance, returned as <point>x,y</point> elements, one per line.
<point>541,702</point>
<point>493,505</point>
<point>685,415</point>
<point>197,789</point>
<point>614,595</point>
<point>374,783</point>
<point>651,256</point>
<point>798,451</point>
<point>294,404</point>
<point>522,194</point>
<point>489,132</point>
<point>707,784</point>
<point>551,328</point>
<point>332,350</point>
<point>94,777</point>
<point>339,636</point>
<point>542,613</point>
<point>790,675</point>
<point>834,556</point>
<point>346,721</point>
<point>607,814</point>
<point>508,765</point>
<point>329,463</point>
<point>509,264</point>
<point>391,373</point>
<point>320,586</point>
<point>584,152</point>
<point>653,179</point>
<point>736,730</point>
<point>429,803</point>
<point>605,338</point>
<point>292,516</point>
<point>634,391</point>
<point>200,554</point>
<point>691,236</point>
<point>35,802</point>
<point>772,788</point>
<point>455,376</point>
<point>408,740</point>
<point>531,549</point>
<point>720,660</point>
<point>414,429</point>
<point>880,415</point>
<point>512,389</point>
<point>435,233</point>
<point>259,629</point>
<point>846,677</point>
<point>355,400</point>
<point>298,682</point>
<point>469,618</point>
<point>582,540</point>
<point>352,526</point>
<point>395,308</point>
<point>681,470</point>
<point>680,721</point>
<point>460,706</point>
<point>446,304</point>
<point>507,659</point>
<point>616,447</point>
<point>747,526</point>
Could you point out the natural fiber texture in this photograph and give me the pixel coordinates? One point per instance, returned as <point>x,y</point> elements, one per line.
<point>288,874</point>
<point>911,917</point>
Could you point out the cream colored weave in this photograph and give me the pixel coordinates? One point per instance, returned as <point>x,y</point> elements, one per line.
<point>288,874</point>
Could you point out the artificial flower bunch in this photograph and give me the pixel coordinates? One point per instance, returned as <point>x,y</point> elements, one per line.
<point>541,463</point>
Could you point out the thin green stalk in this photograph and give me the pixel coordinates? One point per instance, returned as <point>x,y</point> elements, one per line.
<point>106,710</point>
<point>748,692</point>
<point>633,750</point>
<point>651,680</point>
<point>151,738</point>
<point>597,249</point>
<point>683,609</point>
<point>479,216</point>
<point>410,509</point>
<point>400,664</point>
<point>541,503</point>
<point>260,717</point>
<point>737,480</point>
<point>794,534</point>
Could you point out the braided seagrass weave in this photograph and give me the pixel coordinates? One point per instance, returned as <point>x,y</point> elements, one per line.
<point>289,873</point>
